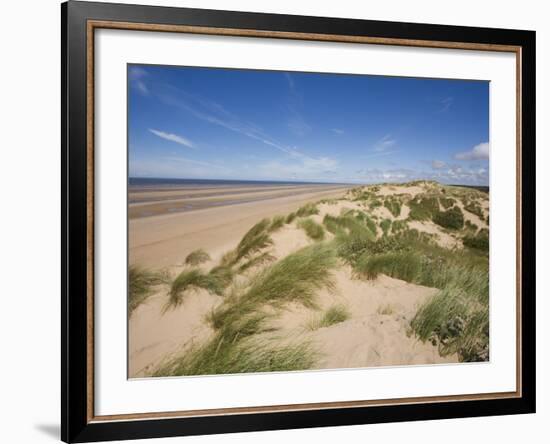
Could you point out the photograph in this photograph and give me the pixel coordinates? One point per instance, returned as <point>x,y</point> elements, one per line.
<point>292,221</point>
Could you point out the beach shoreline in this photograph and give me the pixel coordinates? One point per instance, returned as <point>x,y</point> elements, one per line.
<point>164,239</point>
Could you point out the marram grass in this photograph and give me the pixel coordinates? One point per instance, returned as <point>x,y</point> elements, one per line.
<point>312,229</point>
<point>140,283</point>
<point>197,257</point>
<point>334,315</point>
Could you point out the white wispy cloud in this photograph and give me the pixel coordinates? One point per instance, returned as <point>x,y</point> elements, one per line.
<point>337,131</point>
<point>454,174</point>
<point>384,143</point>
<point>438,164</point>
<point>296,121</point>
<point>446,104</point>
<point>136,76</point>
<point>173,138</point>
<point>194,162</point>
<point>215,114</point>
<point>478,152</point>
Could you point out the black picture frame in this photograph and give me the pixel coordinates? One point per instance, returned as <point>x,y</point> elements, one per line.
<point>77,328</point>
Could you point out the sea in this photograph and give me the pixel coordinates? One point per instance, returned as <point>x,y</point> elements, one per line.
<point>149,182</point>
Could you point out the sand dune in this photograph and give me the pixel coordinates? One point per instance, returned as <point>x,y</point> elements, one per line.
<point>377,329</point>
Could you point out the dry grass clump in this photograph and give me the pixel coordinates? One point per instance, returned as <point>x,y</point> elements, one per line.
<point>249,355</point>
<point>290,218</point>
<point>474,208</point>
<point>404,266</point>
<point>393,205</point>
<point>385,225</point>
<point>399,226</point>
<point>276,223</point>
<point>140,283</point>
<point>385,310</point>
<point>479,241</point>
<point>334,315</point>
<point>256,261</point>
<point>446,202</point>
<point>452,219</point>
<point>235,348</point>
<point>197,257</point>
<point>456,319</point>
<point>191,280</point>
<point>423,208</point>
<point>308,209</point>
<point>312,229</point>
<point>254,240</point>
<point>296,278</point>
<point>470,226</point>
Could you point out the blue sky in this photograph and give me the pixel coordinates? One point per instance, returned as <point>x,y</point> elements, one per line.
<point>266,125</point>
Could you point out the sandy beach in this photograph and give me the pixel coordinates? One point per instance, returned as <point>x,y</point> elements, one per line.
<point>377,313</point>
<point>215,218</point>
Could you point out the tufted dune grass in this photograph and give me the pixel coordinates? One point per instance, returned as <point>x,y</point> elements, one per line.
<point>140,283</point>
<point>334,315</point>
<point>295,278</point>
<point>197,257</point>
<point>194,279</point>
<point>312,229</point>
<point>236,346</point>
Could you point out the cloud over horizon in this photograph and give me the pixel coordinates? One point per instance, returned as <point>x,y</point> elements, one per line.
<point>478,152</point>
<point>173,138</point>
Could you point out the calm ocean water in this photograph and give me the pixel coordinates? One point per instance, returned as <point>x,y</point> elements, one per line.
<point>154,182</point>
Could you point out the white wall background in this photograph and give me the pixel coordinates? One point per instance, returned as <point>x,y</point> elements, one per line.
<point>29,222</point>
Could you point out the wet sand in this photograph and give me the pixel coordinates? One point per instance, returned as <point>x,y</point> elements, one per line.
<point>166,224</point>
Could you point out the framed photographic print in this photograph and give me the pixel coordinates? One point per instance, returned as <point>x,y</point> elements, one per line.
<point>276,221</point>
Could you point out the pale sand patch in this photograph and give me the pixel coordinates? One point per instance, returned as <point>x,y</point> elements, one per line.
<point>383,213</point>
<point>443,239</point>
<point>153,335</point>
<point>369,337</point>
<point>336,209</point>
<point>287,240</point>
<point>395,190</point>
<point>405,210</point>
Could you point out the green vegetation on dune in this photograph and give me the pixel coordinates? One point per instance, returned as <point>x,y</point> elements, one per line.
<point>234,348</point>
<point>399,226</point>
<point>452,219</point>
<point>312,229</point>
<point>254,240</point>
<point>334,315</point>
<point>140,283</point>
<point>197,257</point>
<point>394,205</point>
<point>219,356</point>
<point>307,210</point>
<point>191,280</point>
<point>470,226</point>
<point>385,225</point>
<point>455,318</point>
<point>479,241</point>
<point>446,202</point>
<point>474,208</point>
<point>423,208</point>
<point>255,261</point>
<point>276,223</point>
<point>290,218</point>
